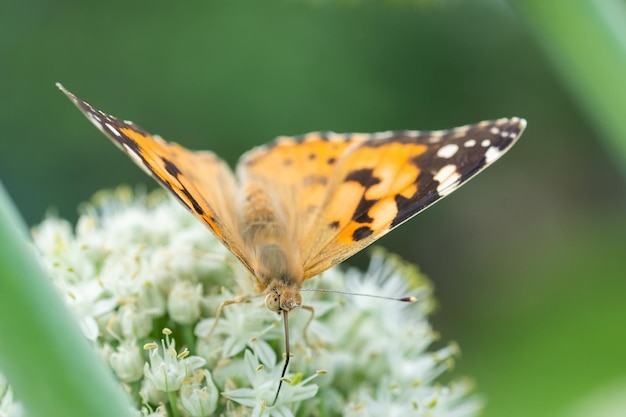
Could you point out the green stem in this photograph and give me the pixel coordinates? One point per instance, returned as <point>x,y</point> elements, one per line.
<point>188,336</point>
<point>173,403</point>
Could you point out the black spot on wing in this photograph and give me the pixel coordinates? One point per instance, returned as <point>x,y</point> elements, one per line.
<point>194,203</point>
<point>407,207</point>
<point>364,177</point>
<point>334,225</point>
<point>170,167</point>
<point>361,212</point>
<point>361,233</point>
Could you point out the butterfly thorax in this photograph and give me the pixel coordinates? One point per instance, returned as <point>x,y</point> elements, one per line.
<point>273,257</point>
<point>280,278</point>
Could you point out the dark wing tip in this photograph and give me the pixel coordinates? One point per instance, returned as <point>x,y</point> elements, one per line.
<point>518,124</point>
<point>82,105</point>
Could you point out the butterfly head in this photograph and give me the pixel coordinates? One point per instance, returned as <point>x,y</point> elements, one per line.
<point>282,298</point>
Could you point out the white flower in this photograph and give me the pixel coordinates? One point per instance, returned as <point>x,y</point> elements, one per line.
<point>150,394</point>
<point>183,303</point>
<point>160,411</point>
<point>126,361</point>
<point>168,368</point>
<point>9,407</point>
<point>198,398</point>
<point>134,322</point>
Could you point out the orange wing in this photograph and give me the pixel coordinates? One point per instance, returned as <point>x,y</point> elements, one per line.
<point>380,183</point>
<point>201,181</point>
<point>338,193</point>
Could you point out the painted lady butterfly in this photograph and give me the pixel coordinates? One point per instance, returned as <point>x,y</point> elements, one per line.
<point>299,205</point>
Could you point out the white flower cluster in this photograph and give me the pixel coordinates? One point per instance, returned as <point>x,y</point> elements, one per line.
<point>143,276</point>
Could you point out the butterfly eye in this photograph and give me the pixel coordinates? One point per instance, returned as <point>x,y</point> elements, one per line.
<point>272,302</point>
<point>291,300</point>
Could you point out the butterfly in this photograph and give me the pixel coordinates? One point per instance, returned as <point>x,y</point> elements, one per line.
<point>299,205</point>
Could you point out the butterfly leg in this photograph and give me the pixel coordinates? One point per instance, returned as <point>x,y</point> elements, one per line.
<point>223,304</point>
<point>311,310</point>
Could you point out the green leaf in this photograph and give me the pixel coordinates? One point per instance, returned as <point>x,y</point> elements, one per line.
<point>586,42</point>
<point>50,364</point>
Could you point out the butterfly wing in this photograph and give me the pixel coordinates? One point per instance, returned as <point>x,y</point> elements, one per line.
<point>380,183</point>
<point>295,172</point>
<point>200,180</point>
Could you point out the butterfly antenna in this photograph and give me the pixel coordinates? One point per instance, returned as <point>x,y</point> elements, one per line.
<point>287,355</point>
<point>401,299</point>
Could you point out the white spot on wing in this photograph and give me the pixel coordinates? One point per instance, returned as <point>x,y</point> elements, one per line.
<point>447,177</point>
<point>470,143</point>
<point>485,143</point>
<point>495,130</point>
<point>95,120</point>
<point>447,151</point>
<point>492,154</point>
<point>112,129</point>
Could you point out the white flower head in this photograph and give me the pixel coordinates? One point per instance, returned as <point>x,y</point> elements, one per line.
<point>168,368</point>
<point>137,263</point>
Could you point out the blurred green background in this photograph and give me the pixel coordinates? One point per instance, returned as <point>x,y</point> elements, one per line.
<point>529,260</point>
